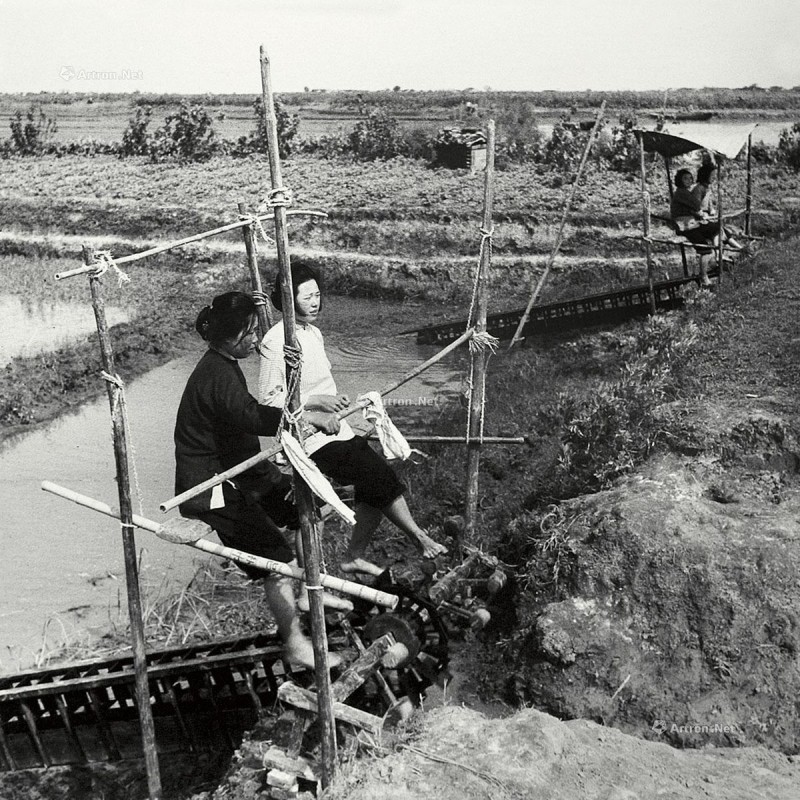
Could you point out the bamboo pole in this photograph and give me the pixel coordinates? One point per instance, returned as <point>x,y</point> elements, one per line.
<point>128,541</point>
<point>462,440</point>
<point>478,358</point>
<point>749,199</point>
<point>646,224</point>
<point>559,235</point>
<point>302,492</point>
<point>238,469</point>
<point>358,590</point>
<point>262,309</point>
<point>163,248</point>
<point>720,226</point>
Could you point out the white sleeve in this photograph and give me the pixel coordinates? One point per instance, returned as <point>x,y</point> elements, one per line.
<point>272,374</point>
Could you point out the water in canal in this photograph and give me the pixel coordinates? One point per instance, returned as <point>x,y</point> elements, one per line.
<point>61,572</point>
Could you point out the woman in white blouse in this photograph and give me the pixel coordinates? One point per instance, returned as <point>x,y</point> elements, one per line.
<point>346,458</point>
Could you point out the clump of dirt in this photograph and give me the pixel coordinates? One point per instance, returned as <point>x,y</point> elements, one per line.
<point>673,597</point>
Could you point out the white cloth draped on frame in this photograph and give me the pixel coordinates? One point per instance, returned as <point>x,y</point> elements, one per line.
<point>393,442</point>
<point>315,480</point>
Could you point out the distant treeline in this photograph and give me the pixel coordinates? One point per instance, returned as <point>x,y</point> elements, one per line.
<point>409,101</point>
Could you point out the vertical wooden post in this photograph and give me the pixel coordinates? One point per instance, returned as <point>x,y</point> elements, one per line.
<point>478,357</point>
<point>128,540</point>
<point>249,234</point>
<point>646,224</point>
<point>668,167</point>
<point>749,198</point>
<point>301,492</point>
<point>720,226</point>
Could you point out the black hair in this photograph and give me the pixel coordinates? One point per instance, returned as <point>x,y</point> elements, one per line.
<point>227,317</point>
<point>705,172</point>
<point>301,273</point>
<point>680,173</point>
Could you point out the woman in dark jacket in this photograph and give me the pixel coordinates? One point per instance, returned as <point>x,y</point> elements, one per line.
<point>217,427</point>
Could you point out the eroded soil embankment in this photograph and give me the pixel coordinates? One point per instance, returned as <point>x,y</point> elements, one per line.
<point>670,600</point>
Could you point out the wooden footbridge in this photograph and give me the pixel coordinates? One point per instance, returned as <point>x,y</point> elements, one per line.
<point>609,308</point>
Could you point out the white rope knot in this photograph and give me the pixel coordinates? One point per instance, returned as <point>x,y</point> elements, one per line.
<point>483,340</point>
<point>311,588</point>
<point>259,298</point>
<point>260,228</point>
<point>115,379</point>
<point>293,356</point>
<point>104,262</point>
<point>281,196</point>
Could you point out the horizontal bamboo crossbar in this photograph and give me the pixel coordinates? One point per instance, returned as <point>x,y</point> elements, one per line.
<point>243,466</point>
<point>232,226</point>
<point>328,581</point>
<point>463,440</point>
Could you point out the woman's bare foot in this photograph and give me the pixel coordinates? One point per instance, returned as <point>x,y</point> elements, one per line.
<point>361,565</point>
<point>430,548</point>
<point>299,651</point>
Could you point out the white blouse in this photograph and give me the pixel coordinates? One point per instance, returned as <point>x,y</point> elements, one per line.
<point>315,377</point>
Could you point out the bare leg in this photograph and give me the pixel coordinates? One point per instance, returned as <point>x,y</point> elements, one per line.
<point>328,600</point>
<point>704,280</point>
<point>367,520</point>
<point>279,591</point>
<point>398,513</point>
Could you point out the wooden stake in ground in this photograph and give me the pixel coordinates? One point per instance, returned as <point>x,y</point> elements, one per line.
<point>648,251</point>
<point>478,356</point>
<point>564,216</point>
<point>302,493</point>
<point>115,399</point>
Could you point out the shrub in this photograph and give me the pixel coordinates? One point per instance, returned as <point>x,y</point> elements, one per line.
<point>332,146</point>
<point>623,152</point>
<point>613,430</point>
<point>763,153</point>
<point>136,138</point>
<point>187,135</point>
<point>287,127</point>
<point>31,135</point>
<point>519,139</point>
<point>789,147</point>
<point>376,137</point>
<point>565,145</point>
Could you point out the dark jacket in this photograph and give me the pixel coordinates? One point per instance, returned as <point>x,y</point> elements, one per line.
<point>217,427</point>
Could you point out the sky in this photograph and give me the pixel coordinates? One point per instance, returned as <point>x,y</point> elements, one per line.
<point>196,46</point>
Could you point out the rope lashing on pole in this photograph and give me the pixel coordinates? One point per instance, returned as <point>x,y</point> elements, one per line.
<point>255,221</point>
<point>103,262</point>
<point>481,343</point>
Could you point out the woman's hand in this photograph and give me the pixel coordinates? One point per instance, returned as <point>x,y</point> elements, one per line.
<point>324,421</point>
<point>330,403</point>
